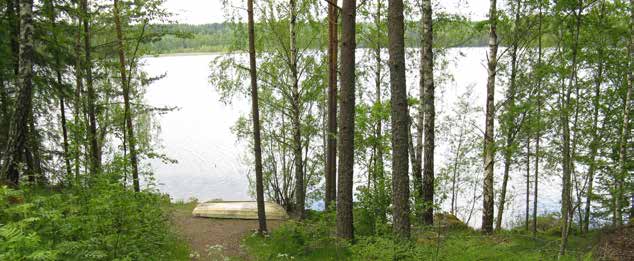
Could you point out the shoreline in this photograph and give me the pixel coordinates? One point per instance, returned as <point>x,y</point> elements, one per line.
<point>225,52</point>
<point>182,54</point>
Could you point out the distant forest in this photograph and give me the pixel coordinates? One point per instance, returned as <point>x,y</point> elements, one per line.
<point>220,37</point>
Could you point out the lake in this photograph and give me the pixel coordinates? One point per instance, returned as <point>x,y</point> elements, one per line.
<point>210,166</point>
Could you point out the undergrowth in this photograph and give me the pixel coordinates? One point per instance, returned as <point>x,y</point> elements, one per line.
<point>105,222</point>
<point>313,239</point>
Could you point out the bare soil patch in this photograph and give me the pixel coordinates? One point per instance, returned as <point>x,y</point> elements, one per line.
<point>203,233</point>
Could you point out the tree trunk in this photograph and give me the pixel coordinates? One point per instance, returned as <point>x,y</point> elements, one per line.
<point>346,121</point>
<point>566,204</point>
<point>331,145</point>
<point>78,103</point>
<point>631,76</point>
<point>430,114</point>
<point>60,88</point>
<point>539,113</point>
<point>18,133</point>
<point>510,121</point>
<point>379,171</point>
<point>622,175</point>
<point>528,179</point>
<point>95,157</point>
<point>300,189</point>
<point>400,119</point>
<point>126,99</point>
<point>489,146</point>
<point>255,113</point>
<point>594,146</point>
<point>454,175</point>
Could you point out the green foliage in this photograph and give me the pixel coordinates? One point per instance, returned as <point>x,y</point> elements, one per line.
<point>108,222</point>
<point>312,240</point>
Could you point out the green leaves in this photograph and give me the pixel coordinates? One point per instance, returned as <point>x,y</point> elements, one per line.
<point>106,223</point>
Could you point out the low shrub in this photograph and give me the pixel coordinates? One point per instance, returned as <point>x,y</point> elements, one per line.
<point>105,222</point>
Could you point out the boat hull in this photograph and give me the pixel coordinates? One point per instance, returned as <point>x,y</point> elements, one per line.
<point>239,210</point>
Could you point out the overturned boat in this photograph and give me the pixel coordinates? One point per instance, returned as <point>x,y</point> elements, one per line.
<point>239,210</point>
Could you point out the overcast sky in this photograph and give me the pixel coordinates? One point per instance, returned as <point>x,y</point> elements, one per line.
<point>210,11</point>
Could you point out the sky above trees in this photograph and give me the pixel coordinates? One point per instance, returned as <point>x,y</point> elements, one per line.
<point>211,11</point>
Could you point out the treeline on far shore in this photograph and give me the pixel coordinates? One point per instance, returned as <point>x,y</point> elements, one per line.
<point>222,37</point>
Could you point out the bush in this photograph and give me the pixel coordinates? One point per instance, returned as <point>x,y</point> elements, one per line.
<point>105,222</point>
<point>313,239</point>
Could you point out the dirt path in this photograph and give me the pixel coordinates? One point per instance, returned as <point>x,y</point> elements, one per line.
<point>203,233</point>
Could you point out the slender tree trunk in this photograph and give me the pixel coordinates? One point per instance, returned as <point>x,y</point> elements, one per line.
<point>454,175</point>
<point>126,99</point>
<point>510,121</point>
<point>528,179</point>
<point>255,113</point>
<point>95,157</point>
<point>78,103</point>
<point>400,119</point>
<point>622,175</point>
<point>430,114</point>
<point>300,189</point>
<point>489,146</point>
<point>14,34</point>
<point>416,151</point>
<point>32,151</point>
<point>331,145</point>
<point>566,204</point>
<point>60,88</point>
<point>594,146</point>
<point>346,121</point>
<point>631,81</point>
<point>18,133</point>
<point>379,170</point>
<point>539,113</point>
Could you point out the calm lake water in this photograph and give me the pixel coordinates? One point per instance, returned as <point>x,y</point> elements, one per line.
<point>209,166</point>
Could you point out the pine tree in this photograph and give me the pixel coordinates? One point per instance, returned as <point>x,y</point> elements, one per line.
<point>400,120</point>
<point>346,121</point>
<point>255,113</point>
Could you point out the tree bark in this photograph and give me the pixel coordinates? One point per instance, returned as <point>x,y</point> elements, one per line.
<point>300,189</point>
<point>346,121</point>
<point>489,146</point>
<point>126,99</point>
<point>255,113</point>
<point>400,119</point>
<point>95,155</point>
<point>18,133</point>
<point>631,76</point>
<point>430,114</point>
<point>331,145</point>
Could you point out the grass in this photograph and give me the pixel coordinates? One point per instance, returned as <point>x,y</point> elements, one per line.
<point>313,240</point>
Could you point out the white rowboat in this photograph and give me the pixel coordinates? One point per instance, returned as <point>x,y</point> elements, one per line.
<point>239,210</point>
